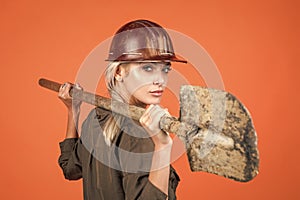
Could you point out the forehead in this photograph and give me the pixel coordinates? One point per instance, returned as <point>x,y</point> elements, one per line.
<point>158,64</point>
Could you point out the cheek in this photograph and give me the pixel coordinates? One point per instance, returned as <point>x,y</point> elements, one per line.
<point>165,78</point>
<point>141,93</point>
<point>135,82</point>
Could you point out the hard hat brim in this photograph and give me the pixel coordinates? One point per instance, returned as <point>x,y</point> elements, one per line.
<point>161,59</point>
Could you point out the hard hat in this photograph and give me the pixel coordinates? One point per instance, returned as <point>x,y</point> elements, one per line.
<point>142,41</point>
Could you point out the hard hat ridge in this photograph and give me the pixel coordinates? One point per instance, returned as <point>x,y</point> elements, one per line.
<point>142,41</point>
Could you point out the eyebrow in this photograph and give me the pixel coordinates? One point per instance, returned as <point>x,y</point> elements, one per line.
<point>163,63</point>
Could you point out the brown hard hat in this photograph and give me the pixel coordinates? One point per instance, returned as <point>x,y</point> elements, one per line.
<point>142,41</point>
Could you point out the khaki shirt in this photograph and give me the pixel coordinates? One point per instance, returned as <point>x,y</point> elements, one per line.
<point>116,172</point>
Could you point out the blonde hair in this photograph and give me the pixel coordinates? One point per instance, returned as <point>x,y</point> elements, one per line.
<point>112,125</point>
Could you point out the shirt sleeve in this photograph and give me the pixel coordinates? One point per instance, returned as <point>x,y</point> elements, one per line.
<point>69,159</point>
<point>137,186</point>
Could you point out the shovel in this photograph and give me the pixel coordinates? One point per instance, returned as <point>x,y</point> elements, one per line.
<point>214,125</point>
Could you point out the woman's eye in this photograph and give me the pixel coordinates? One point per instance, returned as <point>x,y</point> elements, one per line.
<point>148,68</point>
<point>167,69</point>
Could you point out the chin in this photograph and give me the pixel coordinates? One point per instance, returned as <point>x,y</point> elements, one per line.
<point>154,101</point>
<point>147,100</point>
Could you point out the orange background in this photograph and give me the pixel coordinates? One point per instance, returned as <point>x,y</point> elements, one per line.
<point>255,45</point>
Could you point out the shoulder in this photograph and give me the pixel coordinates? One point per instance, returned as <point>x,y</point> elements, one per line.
<point>92,127</point>
<point>96,117</point>
<point>134,138</point>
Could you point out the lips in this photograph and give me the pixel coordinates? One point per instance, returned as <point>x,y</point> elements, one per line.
<point>156,93</point>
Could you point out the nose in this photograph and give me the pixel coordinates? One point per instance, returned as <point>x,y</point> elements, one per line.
<point>160,79</point>
<point>157,83</point>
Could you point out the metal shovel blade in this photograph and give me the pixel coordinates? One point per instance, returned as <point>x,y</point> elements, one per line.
<point>223,140</point>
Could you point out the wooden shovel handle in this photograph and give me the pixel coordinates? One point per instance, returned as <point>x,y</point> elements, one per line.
<point>124,109</point>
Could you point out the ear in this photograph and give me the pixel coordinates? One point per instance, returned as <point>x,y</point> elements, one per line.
<point>119,73</point>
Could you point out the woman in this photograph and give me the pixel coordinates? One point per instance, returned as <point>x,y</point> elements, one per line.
<point>116,158</point>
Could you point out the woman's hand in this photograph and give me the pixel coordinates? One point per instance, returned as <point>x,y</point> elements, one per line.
<point>150,121</point>
<point>73,107</point>
<point>65,97</point>
<point>161,160</point>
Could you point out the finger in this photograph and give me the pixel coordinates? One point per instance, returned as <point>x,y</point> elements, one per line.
<point>154,117</point>
<point>155,109</point>
<point>61,90</point>
<point>146,121</point>
<point>63,95</point>
<point>145,117</point>
<point>148,110</point>
<point>62,86</point>
<point>64,91</point>
<point>77,86</point>
<point>157,112</point>
<point>167,112</point>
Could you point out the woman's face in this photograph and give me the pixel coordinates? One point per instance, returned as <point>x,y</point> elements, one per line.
<point>146,82</point>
